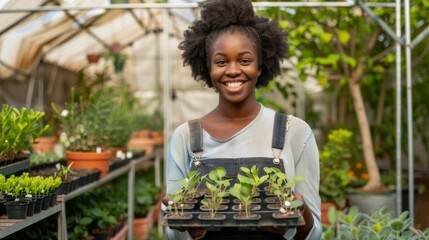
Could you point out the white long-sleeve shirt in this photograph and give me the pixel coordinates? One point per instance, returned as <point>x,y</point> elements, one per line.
<point>300,157</point>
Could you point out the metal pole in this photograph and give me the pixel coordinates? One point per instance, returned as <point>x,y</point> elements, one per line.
<point>131,184</point>
<point>187,6</point>
<point>398,112</point>
<point>379,21</point>
<point>167,84</point>
<point>409,110</point>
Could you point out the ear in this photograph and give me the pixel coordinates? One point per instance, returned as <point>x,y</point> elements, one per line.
<point>259,71</point>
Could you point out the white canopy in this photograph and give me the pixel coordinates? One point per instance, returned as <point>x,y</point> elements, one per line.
<point>62,39</point>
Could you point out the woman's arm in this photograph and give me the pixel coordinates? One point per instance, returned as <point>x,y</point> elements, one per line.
<point>308,167</point>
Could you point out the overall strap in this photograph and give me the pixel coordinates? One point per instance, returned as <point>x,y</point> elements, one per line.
<point>196,135</point>
<point>279,130</point>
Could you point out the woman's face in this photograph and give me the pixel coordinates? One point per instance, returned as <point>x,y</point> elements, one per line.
<point>234,67</point>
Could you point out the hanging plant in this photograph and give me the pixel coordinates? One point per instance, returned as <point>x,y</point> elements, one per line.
<point>93,57</point>
<point>117,56</point>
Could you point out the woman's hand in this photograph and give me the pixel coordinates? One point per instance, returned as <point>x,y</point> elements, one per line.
<point>303,231</point>
<point>195,232</point>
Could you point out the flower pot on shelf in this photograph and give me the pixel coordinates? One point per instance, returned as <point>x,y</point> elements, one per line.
<point>147,144</point>
<point>324,211</point>
<point>90,160</point>
<point>16,209</point>
<point>121,234</point>
<point>142,226</point>
<point>44,144</point>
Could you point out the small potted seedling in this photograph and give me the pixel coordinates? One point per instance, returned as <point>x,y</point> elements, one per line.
<point>252,177</point>
<point>16,209</point>
<point>217,187</point>
<point>244,194</point>
<point>282,186</point>
<point>176,208</point>
<point>190,186</point>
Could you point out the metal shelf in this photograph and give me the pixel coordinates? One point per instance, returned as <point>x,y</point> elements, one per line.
<point>10,226</point>
<point>15,167</point>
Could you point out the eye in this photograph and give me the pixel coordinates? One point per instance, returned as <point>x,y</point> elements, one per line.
<point>220,62</point>
<point>245,62</point>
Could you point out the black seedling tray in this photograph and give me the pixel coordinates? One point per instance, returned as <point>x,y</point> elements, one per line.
<point>266,218</point>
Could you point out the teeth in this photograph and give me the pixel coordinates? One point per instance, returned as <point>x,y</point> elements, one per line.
<point>234,84</point>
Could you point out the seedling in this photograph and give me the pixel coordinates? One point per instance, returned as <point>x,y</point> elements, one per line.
<point>217,187</point>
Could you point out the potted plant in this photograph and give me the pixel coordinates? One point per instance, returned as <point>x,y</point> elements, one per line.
<point>122,113</point>
<point>246,190</point>
<point>352,224</point>
<point>17,208</point>
<point>18,128</point>
<point>217,187</point>
<point>282,187</point>
<point>145,197</point>
<point>46,142</point>
<point>85,125</point>
<point>335,180</point>
<point>103,220</point>
<point>118,58</point>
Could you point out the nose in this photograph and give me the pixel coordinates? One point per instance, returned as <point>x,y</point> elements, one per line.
<point>233,69</point>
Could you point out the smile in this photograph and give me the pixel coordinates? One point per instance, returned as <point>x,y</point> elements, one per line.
<point>234,84</point>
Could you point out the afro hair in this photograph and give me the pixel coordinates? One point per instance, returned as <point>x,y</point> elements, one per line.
<point>218,16</point>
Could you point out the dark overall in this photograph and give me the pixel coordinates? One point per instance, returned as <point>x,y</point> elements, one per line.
<point>232,166</point>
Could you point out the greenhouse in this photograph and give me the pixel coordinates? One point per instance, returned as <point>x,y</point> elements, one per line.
<point>142,119</point>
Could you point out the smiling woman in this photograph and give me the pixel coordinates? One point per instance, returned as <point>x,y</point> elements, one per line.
<point>234,52</point>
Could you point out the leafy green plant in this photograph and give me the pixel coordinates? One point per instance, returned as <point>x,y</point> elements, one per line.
<point>36,186</point>
<point>41,158</point>
<point>352,224</point>
<point>80,227</point>
<point>145,195</point>
<point>252,177</point>
<point>176,203</point>
<point>86,123</point>
<point>18,128</point>
<point>191,184</point>
<point>243,192</point>
<point>217,186</point>
<point>282,187</point>
<point>64,171</point>
<point>334,167</point>
<point>102,217</point>
<point>187,191</point>
<point>247,189</point>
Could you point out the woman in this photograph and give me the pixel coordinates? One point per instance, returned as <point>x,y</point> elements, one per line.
<point>234,51</point>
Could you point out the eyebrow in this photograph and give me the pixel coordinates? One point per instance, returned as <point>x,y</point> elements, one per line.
<point>240,54</point>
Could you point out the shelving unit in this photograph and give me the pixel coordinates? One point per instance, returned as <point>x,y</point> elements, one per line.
<point>10,226</point>
<point>15,167</point>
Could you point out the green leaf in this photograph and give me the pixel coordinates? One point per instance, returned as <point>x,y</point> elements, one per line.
<point>327,37</point>
<point>343,36</point>
<point>349,60</point>
<point>397,225</point>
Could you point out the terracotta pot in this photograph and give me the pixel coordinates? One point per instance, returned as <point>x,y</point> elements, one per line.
<point>44,144</point>
<point>324,211</point>
<point>144,133</point>
<point>142,226</point>
<point>121,234</point>
<point>157,207</point>
<point>93,57</point>
<point>158,137</point>
<point>147,144</point>
<point>90,160</point>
